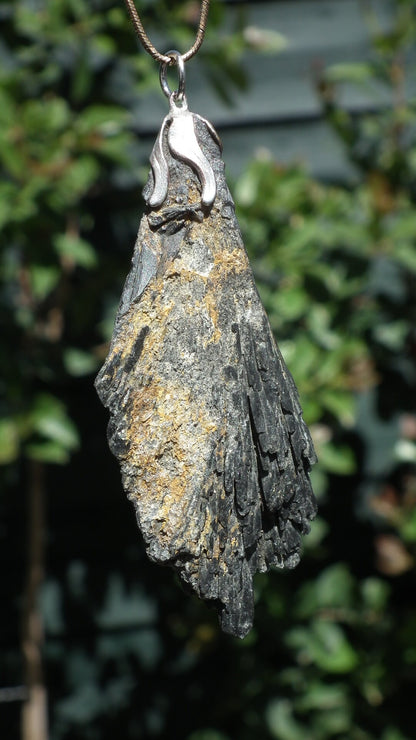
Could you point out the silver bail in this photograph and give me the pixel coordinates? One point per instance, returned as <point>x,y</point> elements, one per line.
<point>177,95</point>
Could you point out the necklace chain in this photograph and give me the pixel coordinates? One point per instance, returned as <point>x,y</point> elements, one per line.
<point>163,58</point>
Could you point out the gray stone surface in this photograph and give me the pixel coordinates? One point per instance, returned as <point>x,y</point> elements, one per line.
<point>205,417</point>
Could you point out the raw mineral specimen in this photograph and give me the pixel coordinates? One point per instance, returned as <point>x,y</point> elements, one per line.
<point>204,415</point>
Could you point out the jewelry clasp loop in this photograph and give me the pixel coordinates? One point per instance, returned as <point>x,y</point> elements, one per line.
<point>179,94</point>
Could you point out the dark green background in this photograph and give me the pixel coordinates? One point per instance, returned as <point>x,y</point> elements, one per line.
<point>315,104</point>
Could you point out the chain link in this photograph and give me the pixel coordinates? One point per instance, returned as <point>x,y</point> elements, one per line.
<point>163,58</point>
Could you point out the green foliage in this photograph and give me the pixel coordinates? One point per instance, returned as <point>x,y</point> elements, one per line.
<point>333,652</point>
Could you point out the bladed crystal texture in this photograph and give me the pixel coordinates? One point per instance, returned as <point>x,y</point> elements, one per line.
<point>205,418</point>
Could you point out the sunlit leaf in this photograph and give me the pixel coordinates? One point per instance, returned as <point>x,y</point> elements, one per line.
<point>408,528</point>
<point>75,250</point>
<point>281,723</point>
<point>79,363</point>
<point>375,592</point>
<point>47,452</point>
<point>325,645</point>
<point>44,279</point>
<point>49,418</point>
<point>357,72</point>
<point>9,441</point>
<point>331,590</point>
<point>341,404</point>
<point>337,459</point>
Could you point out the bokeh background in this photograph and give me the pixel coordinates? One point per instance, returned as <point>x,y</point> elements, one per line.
<point>315,102</point>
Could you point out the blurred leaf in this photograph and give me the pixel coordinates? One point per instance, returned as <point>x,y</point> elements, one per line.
<point>43,280</point>
<point>208,735</point>
<point>335,459</point>
<point>265,39</point>
<point>334,721</point>
<point>281,722</point>
<point>74,180</point>
<point>49,418</point>
<point>75,250</point>
<point>79,363</point>
<point>291,304</point>
<point>9,441</point>
<point>106,119</point>
<point>375,593</point>
<point>332,590</point>
<point>393,559</point>
<point>322,697</point>
<point>408,528</point>
<point>40,117</point>
<point>47,452</point>
<point>325,645</point>
<point>319,480</point>
<point>405,451</point>
<point>319,530</point>
<point>341,404</point>
<point>7,195</point>
<point>392,733</point>
<point>392,335</point>
<point>358,72</point>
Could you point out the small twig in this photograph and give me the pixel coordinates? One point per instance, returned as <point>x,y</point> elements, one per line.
<point>34,712</point>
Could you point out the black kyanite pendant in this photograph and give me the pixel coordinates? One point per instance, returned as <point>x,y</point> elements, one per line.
<point>205,417</point>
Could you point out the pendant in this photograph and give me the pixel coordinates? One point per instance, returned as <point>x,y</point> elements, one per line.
<point>205,418</point>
